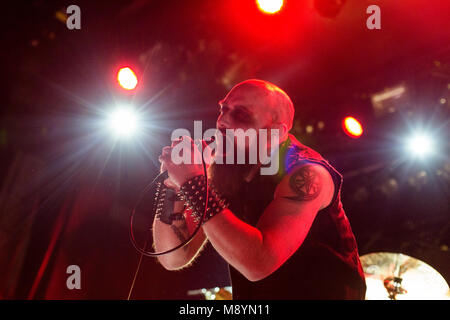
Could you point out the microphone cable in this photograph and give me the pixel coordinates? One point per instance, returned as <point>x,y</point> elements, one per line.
<point>143,251</point>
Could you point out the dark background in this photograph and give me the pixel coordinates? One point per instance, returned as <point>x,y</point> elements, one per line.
<point>67,191</point>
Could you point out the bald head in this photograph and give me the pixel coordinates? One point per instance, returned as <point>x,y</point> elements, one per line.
<point>264,97</point>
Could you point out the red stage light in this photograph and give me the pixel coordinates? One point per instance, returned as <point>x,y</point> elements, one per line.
<point>352,127</point>
<point>270,6</point>
<point>127,78</point>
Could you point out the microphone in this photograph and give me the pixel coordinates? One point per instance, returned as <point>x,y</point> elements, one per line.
<point>162,176</point>
<point>165,174</point>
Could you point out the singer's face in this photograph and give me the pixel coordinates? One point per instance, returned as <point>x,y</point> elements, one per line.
<point>245,107</point>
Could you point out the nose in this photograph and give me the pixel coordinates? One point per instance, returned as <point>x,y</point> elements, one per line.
<point>222,122</point>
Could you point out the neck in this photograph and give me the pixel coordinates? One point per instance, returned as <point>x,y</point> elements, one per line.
<point>252,172</point>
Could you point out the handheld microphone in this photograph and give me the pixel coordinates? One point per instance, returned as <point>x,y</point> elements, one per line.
<point>162,176</point>
<point>165,175</point>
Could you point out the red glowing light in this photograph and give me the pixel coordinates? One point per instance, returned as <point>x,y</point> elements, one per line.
<point>352,127</point>
<point>270,6</point>
<point>127,78</point>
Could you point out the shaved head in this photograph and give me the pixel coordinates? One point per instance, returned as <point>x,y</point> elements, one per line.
<point>267,97</point>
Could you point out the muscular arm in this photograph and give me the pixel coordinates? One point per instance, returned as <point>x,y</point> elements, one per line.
<point>258,252</point>
<point>166,237</point>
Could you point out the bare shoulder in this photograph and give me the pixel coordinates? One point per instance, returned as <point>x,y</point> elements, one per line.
<point>309,182</point>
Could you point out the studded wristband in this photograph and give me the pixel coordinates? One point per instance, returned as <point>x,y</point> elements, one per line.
<point>194,194</point>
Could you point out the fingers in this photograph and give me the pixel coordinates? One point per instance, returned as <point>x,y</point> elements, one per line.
<point>165,153</point>
<point>175,142</point>
<point>182,139</point>
<point>170,184</point>
<point>163,165</point>
<point>166,150</point>
<point>194,149</point>
<point>187,138</point>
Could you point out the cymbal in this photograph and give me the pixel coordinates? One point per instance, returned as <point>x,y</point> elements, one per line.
<point>397,276</point>
<point>216,293</point>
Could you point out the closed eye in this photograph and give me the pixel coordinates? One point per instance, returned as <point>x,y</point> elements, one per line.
<point>242,114</point>
<point>223,109</point>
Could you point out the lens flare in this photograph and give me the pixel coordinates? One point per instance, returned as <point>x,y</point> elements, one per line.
<point>352,127</point>
<point>127,78</point>
<point>270,6</point>
<point>123,122</point>
<point>420,145</point>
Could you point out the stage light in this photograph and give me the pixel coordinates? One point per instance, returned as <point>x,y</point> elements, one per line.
<point>123,122</point>
<point>127,78</point>
<point>420,145</point>
<point>352,127</point>
<point>270,6</point>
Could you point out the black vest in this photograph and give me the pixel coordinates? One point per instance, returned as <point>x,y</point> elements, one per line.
<point>327,265</point>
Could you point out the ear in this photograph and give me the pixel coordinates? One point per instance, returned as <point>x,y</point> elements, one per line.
<point>282,129</point>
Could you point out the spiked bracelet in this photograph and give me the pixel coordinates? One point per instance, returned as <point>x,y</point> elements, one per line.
<point>164,204</point>
<point>194,194</point>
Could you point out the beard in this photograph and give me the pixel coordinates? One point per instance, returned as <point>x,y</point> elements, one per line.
<point>228,178</point>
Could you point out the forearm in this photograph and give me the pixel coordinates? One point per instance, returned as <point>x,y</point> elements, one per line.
<point>166,237</point>
<point>240,244</point>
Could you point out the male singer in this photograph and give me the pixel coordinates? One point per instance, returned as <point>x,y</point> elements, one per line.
<point>284,236</point>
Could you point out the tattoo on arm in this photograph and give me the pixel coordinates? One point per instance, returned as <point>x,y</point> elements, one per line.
<point>181,231</point>
<point>305,183</point>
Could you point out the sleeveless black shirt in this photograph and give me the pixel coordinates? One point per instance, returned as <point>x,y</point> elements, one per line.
<point>326,265</point>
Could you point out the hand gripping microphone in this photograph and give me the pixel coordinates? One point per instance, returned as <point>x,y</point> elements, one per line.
<point>160,178</point>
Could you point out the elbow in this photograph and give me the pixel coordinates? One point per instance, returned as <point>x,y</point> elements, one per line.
<point>256,276</point>
<point>172,264</point>
<point>259,272</point>
<point>169,266</point>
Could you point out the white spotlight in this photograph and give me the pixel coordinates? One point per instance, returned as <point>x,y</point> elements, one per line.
<point>420,145</point>
<point>123,122</point>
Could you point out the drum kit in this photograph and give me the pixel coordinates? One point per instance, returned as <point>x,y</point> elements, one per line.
<point>396,276</point>
<point>389,276</point>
